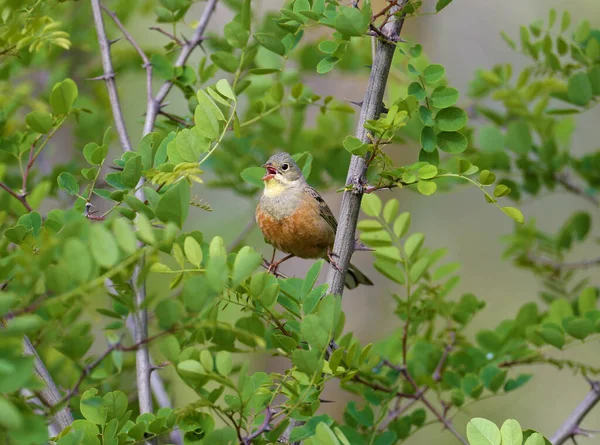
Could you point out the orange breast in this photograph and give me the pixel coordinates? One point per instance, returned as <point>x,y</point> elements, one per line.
<point>304,233</point>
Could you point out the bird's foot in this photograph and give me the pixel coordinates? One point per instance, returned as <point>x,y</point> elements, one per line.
<point>331,255</point>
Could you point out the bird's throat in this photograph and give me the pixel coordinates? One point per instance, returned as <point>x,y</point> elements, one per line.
<point>273,188</point>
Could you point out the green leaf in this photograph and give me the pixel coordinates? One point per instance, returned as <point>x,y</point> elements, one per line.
<point>173,205</point>
<point>452,142</point>
<point>63,96</point>
<point>371,204</point>
<point>511,433</point>
<point>451,119</point>
<point>552,334</point>
<point>325,436</point>
<point>491,139</point>
<point>132,172</point>
<point>355,146</point>
<point>444,97</point>
<point>579,327</point>
<point>416,89</point>
<point>350,22</point>
<point>207,116</point>
<point>580,89</point>
<point>253,175</point>
<point>224,88</point>
<point>169,313</point>
<point>426,188</point>
<point>390,211</point>
<point>224,363</point>
<point>39,121</point>
<point>192,250</point>
<point>483,432</point>
<point>308,362</point>
<point>314,333</point>
<point>535,439</point>
<point>426,116</point>
<point>68,183</point>
<point>514,213</point>
<point>413,244</point>
<point>513,384</point>
<point>189,144</point>
<point>402,224</point>
<point>103,246</point>
<point>92,407</point>
<point>518,137</point>
<point>235,34</point>
<point>433,73</point>
<point>326,64</point>
<point>10,417</point>
<point>565,21</point>
<point>77,256</point>
<point>486,177</point>
<point>246,261</point>
<point>270,42</point>
<point>441,4</point>
<point>428,139</point>
<point>226,61</point>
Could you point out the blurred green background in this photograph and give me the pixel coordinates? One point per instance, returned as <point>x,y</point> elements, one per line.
<point>464,37</point>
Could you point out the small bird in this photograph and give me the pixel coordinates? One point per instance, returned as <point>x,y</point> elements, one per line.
<point>295,219</point>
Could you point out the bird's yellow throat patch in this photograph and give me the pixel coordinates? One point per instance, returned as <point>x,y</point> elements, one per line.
<point>274,188</point>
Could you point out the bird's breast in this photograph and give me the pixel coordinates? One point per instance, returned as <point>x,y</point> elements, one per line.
<point>294,226</point>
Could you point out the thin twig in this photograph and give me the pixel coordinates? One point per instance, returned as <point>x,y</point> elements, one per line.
<point>20,198</point>
<point>155,104</point>
<point>168,34</point>
<point>264,427</point>
<point>86,371</point>
<point>570,428</point>
<point>371,108</point>
<point>584,264</point>
<point>109,76</point>
<point>565,180</point>
<point>242,236</point>
<point>437,374</point>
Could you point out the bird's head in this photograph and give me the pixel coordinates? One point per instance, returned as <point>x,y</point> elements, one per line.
<point>281,172</point>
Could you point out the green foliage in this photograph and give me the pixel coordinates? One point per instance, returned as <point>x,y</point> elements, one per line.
<point>82,239</point>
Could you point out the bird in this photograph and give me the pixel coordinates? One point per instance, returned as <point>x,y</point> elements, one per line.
<point>296,220</point>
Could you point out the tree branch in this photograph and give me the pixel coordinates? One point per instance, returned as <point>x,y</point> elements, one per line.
<point>155,104</point>
<point>584,264</point>
<point>371,108</point>
<point>565,180</point>
<point>109,76</point>
<point>20,198</point>
<point>146,62</point>
<point>140,318</point>
<point>570,428</point>
<point>50,395</point>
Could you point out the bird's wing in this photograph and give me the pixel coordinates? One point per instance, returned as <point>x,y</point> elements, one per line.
<point>324,209</point>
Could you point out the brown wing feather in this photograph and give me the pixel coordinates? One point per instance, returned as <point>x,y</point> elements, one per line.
<point>324,209</point>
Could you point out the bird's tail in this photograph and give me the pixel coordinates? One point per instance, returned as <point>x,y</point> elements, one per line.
<point>354,277</point>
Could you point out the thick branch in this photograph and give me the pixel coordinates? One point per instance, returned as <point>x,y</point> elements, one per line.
<point>140,318</point>
<point>371,108</point>
<point>146,62</point>
<point>570,427</point>
<point>155,104</point>
<point>50,395</point>
<point>109,76</point>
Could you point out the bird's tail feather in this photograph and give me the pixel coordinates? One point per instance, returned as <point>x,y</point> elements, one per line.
<point>354,277</point>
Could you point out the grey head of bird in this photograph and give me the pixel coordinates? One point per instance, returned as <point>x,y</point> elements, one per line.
<point>282,169</point>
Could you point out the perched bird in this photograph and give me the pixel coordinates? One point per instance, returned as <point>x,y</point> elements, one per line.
<point>295,219</point>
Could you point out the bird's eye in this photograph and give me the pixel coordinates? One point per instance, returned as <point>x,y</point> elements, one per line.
<point>284,167</point>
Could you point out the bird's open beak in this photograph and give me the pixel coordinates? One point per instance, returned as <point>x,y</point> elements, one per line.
<point>271,171</point>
